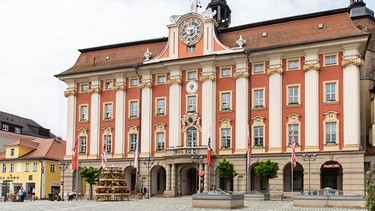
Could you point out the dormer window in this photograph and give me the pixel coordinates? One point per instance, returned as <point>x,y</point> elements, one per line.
<point>11,152</point>
<point>5,127</point>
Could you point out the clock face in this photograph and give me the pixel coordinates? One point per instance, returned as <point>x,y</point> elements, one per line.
<point>190,31</point>
<point>191,87</point>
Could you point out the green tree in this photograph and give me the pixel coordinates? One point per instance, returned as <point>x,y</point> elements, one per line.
<point>370,191</point>
<point>227,172</point>
<point>91,176</point>
<point>267,170</point>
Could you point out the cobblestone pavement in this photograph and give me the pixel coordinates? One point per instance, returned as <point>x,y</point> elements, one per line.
<point>153,204</point>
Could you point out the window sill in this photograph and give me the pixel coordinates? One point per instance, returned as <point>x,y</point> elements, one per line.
<point>331,102</point>
<point>83,121</point>
<point>161,115</point>
<point>226,110</point>
<point>259,146</point>
<point>108,119</point>
<point>259,108</point>
<point>294,105</point>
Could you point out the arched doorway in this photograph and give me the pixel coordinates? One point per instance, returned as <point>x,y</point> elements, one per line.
<point>331,175</point>
<point>189,181</point>
<point>297,178</point>
<point>130,176</point>
<point>158,180</point>
<point>222,184</point>
<point>256,184</point>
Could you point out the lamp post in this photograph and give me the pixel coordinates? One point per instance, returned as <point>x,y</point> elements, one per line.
<point>63,166</point>
<point>309,157</point>
<point>197,160</point>
<point>148,162</point>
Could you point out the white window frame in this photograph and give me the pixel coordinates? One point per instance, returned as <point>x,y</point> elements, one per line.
<point>161,79</point>
<point>225,136</point>
<point>225,101</point>
<point>160,107</point>
<point>191,137</point>
<point>108,85</point>
<point>84,87</point>
<point>330,59</point>
<point>133,108</point>
<point>11,167</point>
<point>191,103</point>
<point>160,141</point>
<point>84,113</point>
<point>108,143</point>
<point>108,111</point>
<point>329,95</point>
<point>52,167</point>
<point>27,167</point>
<point>5,127</point>
<point>225,72</point>
<point>258,100</point>
<point>256,67</point>
<point>293,64</point>
<point>35,167</point>
<point>191,75</point>
<point>258,140</point>
<point>4,168</point>
<point>82,144</point>
<point>133,82</point>
<point>331,132</point>
<point>294,97</point>
<point>296,134</point>
<point>132,142</point>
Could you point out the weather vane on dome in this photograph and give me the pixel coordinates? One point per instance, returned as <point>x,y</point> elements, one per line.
<point>194,5</point>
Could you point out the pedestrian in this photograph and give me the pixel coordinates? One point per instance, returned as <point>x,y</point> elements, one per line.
<point>71,195</point>
<point>21,194</point>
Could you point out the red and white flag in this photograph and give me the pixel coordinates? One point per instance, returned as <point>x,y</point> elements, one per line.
<point>136,154</point>
<point>293,160</point>
<point>248,146</point>
<point>75,156</point>
<point>104,156</point>
<point>209,152</point>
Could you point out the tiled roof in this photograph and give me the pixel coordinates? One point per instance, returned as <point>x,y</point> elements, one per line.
<point>52,149</point>
<point>29,126</point>
<point>280,33</point>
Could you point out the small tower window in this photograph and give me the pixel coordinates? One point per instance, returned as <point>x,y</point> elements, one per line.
<point>191,48</point>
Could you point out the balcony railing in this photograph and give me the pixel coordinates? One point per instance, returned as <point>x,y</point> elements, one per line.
<point>185,150</point>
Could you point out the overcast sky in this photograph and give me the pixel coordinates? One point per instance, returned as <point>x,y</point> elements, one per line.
<point>41,38</point>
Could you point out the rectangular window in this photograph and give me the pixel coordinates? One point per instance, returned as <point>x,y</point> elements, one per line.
<point>293,64</point>
<point>190,48</point>
<point>134,82</point>
<point>11,152</point>
<point>192,75</point>
<point>133,108</point>
<point>82,144</point>
<point>27,167</point>
<point>160,107</point>
<point>192,103</point>
<point>108,142</point>
<point>225,101</point>
<point>133,142</point>
<point>84,113</point>
<point>259,98</point>
<point>191,137</point>
<point>17,130</point>
<point>330,59</point>
<point>225,138</point>
<point>84,87</point>
<point>35,167</point>
<point>160,79</point>
<point>108,111</point>
<point>52,168</point>
<point>4,168</point>
<point>330,89</point>
<point>11,167</point>
<point>258,68</point>
<point>296,134</point>
<point>5,127</point>
<point>331,132</point>
<point>160,139</point>
<point>293,95</point>
<point>108,85</point>
<point>225,72</point>
<point>258,136</point>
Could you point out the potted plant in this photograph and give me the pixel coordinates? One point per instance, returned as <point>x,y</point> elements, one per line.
<point>138,191</point>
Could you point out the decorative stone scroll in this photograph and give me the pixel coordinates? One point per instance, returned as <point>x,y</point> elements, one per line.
<point>275,70</point>
<point>107,129</point>
<point>205,78</point>
<point>160,127</point>
<point>120,87</point>
<point>69,93</point>
<point>293,118</point>
<point>147,84</point>
<point>174,81</point>
<point>96,90</point>
<point>349,62</point>
<point>242,74</point>
<point>311,66</point>
<point>133,128</point>
<point>225,123</point>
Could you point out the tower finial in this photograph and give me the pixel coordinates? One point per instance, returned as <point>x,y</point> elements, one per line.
<point>194,5</point>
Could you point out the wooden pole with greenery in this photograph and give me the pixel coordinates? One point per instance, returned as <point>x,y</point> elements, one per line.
<point>91,176</point>
<point>267,170</point>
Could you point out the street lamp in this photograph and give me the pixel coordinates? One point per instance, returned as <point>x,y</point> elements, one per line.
<point>197,160</point>
<point>309,157</point>
<point>148,162</point>
<point>63,166</point>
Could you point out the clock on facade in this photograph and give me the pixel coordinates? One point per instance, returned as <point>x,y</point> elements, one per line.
<point>190,31</point>
<point>191,87</point>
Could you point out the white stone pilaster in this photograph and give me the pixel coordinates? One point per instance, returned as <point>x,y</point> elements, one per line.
<point>351,100</point>
<point>146,127</point>
<point>174,83</point>
<point>208,103</point>
<point>71,114</point>
<point>94,117</point>
<point>311,68</point>
<point>275,103</point>
<point>120,88</point>
<point>242,104</point>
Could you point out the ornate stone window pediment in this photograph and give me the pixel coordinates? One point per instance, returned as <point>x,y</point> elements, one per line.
<point>160,127</point>
<point>107,129</point>
<point>293,118</point>
<point>82,131</point>
<point>133,128</point>
<point>190,119</point>
<point>225,122</point>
